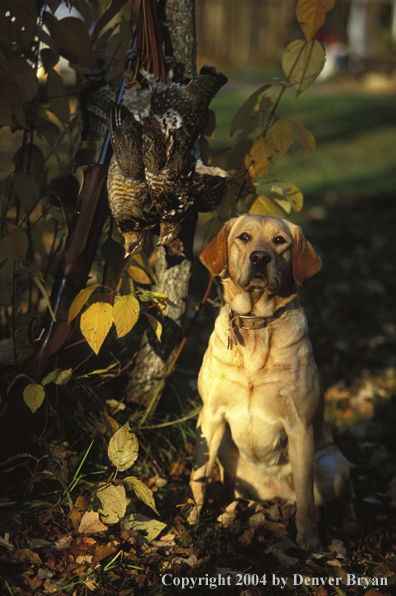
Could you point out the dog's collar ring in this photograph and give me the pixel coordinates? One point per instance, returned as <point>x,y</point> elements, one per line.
<point>248,322</point>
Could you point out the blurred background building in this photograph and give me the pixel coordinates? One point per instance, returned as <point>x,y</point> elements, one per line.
<point>360,35</point>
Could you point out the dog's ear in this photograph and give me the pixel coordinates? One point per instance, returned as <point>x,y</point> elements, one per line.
<point>214,256</point>
<point>305,260</point>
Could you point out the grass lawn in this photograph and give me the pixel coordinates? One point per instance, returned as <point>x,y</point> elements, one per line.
<point>355,140</point>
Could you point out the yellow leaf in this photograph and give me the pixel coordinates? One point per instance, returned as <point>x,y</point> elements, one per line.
<point>311,15</point>
<point>265,206</point>
<point>282,135</point>
<point>262,155</point>
<point>302,62</point>
<point>58,376</point>
<point>123,448</point>
<point>113,501</point>
<point>304,136</point>
<point>142,491</point>
<point>141,271</point>
<point>33,396</point>
<point>125,314</point>
<point>287,195</point>
<point>155,324</point>
<point>79,302</point>
<point>95,324</point>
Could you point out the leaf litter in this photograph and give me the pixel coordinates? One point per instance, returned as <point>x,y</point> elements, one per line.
<point>75,552</point>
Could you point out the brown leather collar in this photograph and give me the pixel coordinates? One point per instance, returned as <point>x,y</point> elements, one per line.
<point>249,322</point>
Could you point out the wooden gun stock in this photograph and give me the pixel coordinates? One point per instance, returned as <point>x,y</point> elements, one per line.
<point>71,277</point>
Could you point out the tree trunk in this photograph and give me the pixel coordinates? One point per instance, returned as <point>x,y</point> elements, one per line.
<point>173,273</point>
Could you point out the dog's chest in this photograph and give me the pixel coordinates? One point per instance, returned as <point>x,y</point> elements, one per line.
<point>258,434</point>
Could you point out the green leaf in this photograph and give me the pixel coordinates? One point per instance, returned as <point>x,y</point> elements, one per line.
<point>44,293</point>
<point>126,313</point>
<point>72,37</point>
<point>11,105</point>
<point>79,301</point>
<point>107,16</point>
<point>26,189</point>
<point>24,76</point>
<point>20,22</point>
<point>96,323</point>
<point>302,62</point>
<point>304,136</point>
<point>212,228</point>
<point>48,130</point>
<point>282,135</point>
<point>142,491</point>
<point>123,448</point>
<point>58,97</point>
<point>248,110</point>
<point>8,258</point>
<point>49,59</point>
<point>19,241</point>
<point>58,376</point>
<point>33,396</point>
<point>5,291</point>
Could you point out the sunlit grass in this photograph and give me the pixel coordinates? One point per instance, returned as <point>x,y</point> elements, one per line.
<point>355,140</point>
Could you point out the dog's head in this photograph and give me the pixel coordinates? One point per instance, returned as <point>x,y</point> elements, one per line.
<point>261,253</point>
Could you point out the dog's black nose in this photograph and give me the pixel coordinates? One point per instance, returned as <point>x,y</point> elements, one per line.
<point>260,258</point>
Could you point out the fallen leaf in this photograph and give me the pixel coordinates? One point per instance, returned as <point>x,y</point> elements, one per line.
<point>113,501</point>
<point>140,523</point>
<point>22,555</point>
<point>103,551</point>
<point>82,545</point>
<point>91,524</point>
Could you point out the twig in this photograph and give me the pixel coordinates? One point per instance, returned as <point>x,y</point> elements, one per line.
<point>164,424</point>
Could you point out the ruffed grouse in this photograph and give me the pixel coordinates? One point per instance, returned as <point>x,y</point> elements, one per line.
<point>154,177</point>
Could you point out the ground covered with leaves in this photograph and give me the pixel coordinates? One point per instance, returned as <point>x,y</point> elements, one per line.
<point>52,539</point>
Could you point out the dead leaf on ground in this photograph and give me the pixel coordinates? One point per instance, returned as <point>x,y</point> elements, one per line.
<point>103,551</point>
<point>91,524</point>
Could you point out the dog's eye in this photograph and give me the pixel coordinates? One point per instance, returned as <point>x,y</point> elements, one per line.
<point>279,240</point>
<point>244,237</point>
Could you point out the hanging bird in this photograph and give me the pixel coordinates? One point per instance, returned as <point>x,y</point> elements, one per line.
<point>177,118</point>
<point>129,196</point>
<point>154,177</point>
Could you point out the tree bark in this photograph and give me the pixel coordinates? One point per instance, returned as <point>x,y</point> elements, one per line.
<point>180,18</point>
<point>172,273</point>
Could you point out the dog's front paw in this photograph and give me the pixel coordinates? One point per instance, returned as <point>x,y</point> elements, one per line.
<point>193,516</point>
<point>309,541</point>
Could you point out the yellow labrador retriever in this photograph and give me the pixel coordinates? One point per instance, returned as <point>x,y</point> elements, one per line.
<point>262,403</point>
